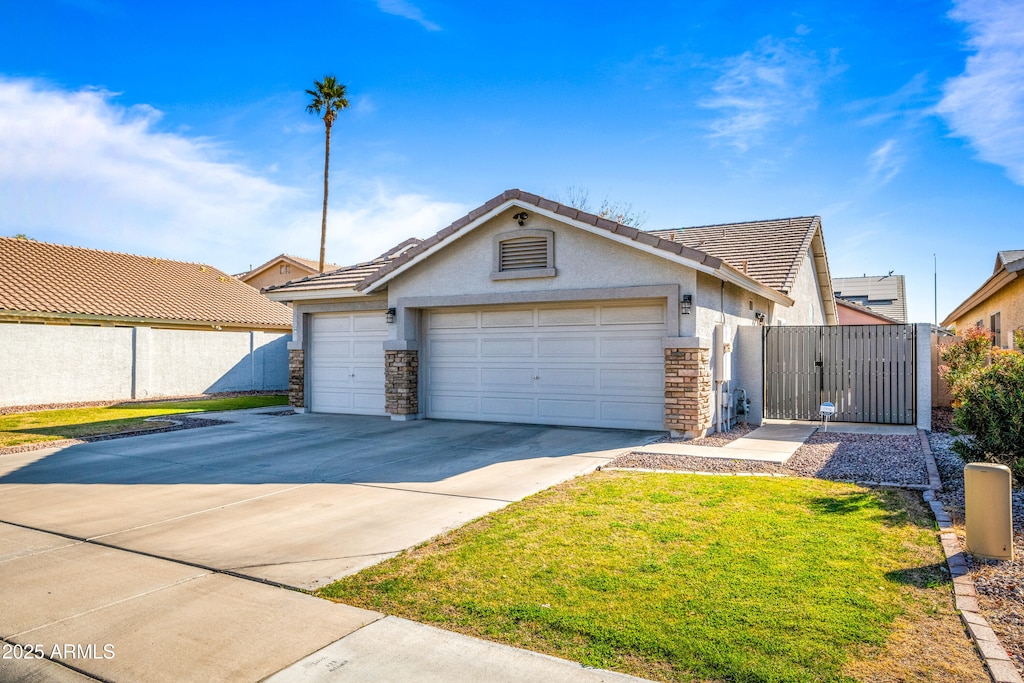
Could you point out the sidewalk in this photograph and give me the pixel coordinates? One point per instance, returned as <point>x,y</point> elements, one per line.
<point>774,443</point>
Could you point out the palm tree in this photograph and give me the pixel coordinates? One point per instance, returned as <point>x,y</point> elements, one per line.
<point>328,99</point>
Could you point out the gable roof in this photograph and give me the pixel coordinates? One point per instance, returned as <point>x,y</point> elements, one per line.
<point>885,294</point>
<point>305,263</point>
<point>646,241</point>
<point>760,256</point>
<point>40,280</point>
<point>346,277</point>
<point>1009,265</point>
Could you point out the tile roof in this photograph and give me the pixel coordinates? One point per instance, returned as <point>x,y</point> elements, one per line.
<point>769,251</point>
<point>536,200</point>
<point>1012,260</point>
<point>37,277</point>
<point>346,277</point>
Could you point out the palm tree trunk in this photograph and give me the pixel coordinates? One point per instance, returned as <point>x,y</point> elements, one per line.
<point>323,224</point>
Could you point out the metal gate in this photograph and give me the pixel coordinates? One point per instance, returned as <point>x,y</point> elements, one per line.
<point>867,371</point>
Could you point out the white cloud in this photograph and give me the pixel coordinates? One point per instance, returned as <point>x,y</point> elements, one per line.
<point>885,162</point>
<point>773,85</point>
<point>78,168</point>
<point>985,104</point>
<point>404,8</point>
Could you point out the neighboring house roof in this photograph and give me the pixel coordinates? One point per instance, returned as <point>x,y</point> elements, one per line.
<point>54,281</point>
<point>772,250</point>
<point>885,294</point>
<point>1009,264</point>
<point>861,308</point>
<point>346,277</point>
<point>304,263</point>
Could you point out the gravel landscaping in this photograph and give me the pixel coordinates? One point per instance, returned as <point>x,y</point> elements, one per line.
<point>1000,585</point>
<point>837,456</point>
<point>177,423</point>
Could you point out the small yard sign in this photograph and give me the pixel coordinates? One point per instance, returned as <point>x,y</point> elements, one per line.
<point>827,410</point>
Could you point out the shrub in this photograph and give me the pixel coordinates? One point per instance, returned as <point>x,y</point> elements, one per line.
<point>988,399</point>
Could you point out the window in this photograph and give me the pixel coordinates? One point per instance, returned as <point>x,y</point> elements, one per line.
<point>524,254</point>
<point>997,333</point>
<point>286,269</point>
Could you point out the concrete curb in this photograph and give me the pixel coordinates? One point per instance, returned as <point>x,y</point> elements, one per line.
<point>965,594</point>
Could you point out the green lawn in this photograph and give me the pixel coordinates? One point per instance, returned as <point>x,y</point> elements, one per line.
<point>677,577</point>
<point>76,423</point>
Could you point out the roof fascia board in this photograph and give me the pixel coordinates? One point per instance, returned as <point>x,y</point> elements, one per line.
<point>723,272</point>
<point>314,294</point>
<point>43,316</point>
<point>990,287</point>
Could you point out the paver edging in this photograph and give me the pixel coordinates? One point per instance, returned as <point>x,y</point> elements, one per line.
<point>965,594</point>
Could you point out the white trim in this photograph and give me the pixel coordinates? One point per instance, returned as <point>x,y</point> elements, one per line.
<point>313,295</point>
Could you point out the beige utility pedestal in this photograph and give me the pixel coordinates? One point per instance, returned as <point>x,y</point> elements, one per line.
<point>988,506</point>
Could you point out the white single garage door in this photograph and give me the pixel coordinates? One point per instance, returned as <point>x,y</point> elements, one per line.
<point>593,365</point>
<point>346,363</point>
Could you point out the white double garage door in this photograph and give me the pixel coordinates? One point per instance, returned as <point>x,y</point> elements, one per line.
<point>592,365</point>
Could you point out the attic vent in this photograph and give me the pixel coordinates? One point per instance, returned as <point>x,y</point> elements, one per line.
<point>524,253</point>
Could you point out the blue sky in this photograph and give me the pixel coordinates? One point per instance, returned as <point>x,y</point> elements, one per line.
<point>178,129</point>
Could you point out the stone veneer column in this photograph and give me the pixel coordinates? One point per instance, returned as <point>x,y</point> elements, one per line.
<point>401,382</point>
<point>688,390</point>
<point>296,378</point>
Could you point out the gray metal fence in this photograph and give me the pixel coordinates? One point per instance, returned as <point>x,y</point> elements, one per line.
<point>867,371</point>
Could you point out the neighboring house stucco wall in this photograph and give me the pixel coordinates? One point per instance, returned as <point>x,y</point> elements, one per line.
<point>808,309</point>
<point>1008,302</point>
<point>583,261</point>
<point>848,315</point>
<point>63,364</point>
<point>274,276</point>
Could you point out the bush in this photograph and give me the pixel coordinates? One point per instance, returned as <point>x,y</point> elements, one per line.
<point>988,400</point>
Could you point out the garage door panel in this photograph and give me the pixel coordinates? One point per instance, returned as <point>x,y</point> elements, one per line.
<point>561,409</point>
<point>618,413</point>
<point>572,379</point>
<point>586,364</point>
<point>633,379</point>
<point>453,377</point>
<point>632,315</point>
<point>523,318</point>
<point>507,348</point>
<point>496,379</point>
<point>346,363</point>
<point>370,322</point>
<point>507,408</point>
<point>444,405</point>
<point>452,320</point>
<point>641,348</point>
<point>570,347</point>
<point>453,348</point>
<point>567,316</point>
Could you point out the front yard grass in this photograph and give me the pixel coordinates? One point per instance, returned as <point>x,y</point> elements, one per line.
<point>694,578</point>
<point>75,423</point>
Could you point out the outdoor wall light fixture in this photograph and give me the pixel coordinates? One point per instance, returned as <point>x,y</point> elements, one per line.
<point>521,217</point>
<point>390,315</point>
<point>686,304</point>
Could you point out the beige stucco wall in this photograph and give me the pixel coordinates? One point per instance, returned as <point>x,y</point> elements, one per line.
<point>808,309</point>
<point>1008,302</point>
<point>274,276</point>
<point>583,261</point>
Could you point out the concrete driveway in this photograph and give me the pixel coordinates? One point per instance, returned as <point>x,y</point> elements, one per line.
<point>157,545</point>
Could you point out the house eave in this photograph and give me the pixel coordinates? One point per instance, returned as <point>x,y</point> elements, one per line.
<point>291,295</point>
<point>14,316</point>
<point>990,287</point>
<point>720,269</point>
